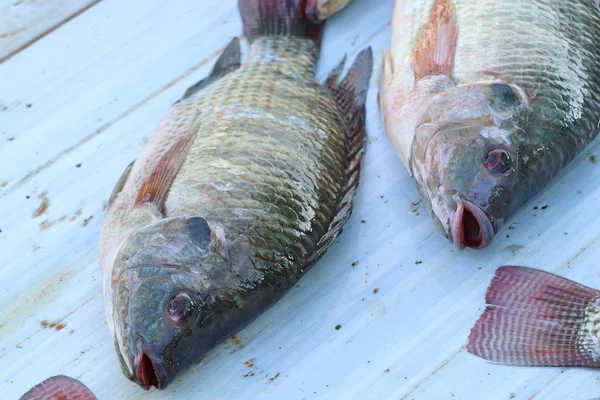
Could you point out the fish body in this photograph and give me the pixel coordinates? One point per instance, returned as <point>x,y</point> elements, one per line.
<point>240,190</point>
<point>485,101</point>
<point>535,318</point>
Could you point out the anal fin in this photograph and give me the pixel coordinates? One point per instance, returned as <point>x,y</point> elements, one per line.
<point>155,188</point>
<point>229,61</point>
<point>350,95</point>
<point>435,46</point>
<point>537,318</point>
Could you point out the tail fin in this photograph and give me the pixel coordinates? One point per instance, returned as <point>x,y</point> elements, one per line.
<point>277,18</point>
<point>59,387</point>
<point>537,318</point>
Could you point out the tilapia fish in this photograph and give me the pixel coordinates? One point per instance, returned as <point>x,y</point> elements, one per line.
<point>485,101</point>
<point>538,319</point>
<point>241,189</point>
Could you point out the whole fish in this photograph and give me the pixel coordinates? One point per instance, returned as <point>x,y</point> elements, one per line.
<point>538,319</point>
<point>59,387</point>
<point>241,189</point>
<point>485,101</point>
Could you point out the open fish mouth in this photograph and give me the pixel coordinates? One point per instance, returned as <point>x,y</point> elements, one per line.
<point>470,226</point>
<point>148,371</point>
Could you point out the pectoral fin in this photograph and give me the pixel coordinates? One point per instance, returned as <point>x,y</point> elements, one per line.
<point>155,188</point>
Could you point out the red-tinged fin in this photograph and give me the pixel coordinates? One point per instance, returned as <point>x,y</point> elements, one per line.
<point>435,45</point>
<point>277,18</point>
<point>350,95</point>
<point>538,319</point>
<point>229,61</point>
<point>154,190</point>
<point>59,388</point>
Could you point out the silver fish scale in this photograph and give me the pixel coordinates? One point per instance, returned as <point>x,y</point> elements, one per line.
<point>551,50</point>
<point>267,166</point>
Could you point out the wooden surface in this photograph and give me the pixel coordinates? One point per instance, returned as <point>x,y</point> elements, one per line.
<point>77,105</point>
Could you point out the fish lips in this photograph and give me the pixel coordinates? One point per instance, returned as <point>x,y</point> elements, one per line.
<point>470,226</point>
<point>148,369</point>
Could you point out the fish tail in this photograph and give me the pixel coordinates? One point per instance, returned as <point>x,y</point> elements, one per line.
<point>538,319</point>
<point>59,387</point>
<point>278,18</point>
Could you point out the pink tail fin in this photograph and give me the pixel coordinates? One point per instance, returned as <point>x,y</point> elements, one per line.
<point>277,18</point>
<point>59,388</point>
<point>537,318</point>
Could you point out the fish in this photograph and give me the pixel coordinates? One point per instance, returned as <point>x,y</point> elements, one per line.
<point>241,189</point>
<point>536,318</point>
<point>59,387</point>
<point>486,101</point>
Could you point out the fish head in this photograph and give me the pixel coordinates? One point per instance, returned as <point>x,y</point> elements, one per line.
<point>167,312</point>
<point>320,10</point>
<point>466,162</point>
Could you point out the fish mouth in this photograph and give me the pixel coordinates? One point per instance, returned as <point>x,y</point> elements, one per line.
<point>148,371</point>
<point>471,227</point>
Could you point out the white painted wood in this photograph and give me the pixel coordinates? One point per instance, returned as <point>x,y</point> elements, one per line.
<point>405,341</point>
<point>25,21</point>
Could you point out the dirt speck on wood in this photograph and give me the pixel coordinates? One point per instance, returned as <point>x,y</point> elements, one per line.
<point>87,220</point>
<point>43,207</point>
<point>57,325</point>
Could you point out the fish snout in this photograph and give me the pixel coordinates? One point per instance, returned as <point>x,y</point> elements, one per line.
<point>148,370</point>
<point>470,226</point>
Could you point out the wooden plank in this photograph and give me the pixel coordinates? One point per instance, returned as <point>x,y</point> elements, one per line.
<point>403,340</point>
<point>26,21</point>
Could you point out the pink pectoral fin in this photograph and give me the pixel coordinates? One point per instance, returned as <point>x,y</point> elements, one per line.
<point>435,46</point>
<point>59,388</point>
<point>155,188</point>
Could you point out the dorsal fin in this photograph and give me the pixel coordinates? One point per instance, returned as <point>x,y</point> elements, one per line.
<point>229,61</point>
<point>435,45</point>
<point>350,95</point>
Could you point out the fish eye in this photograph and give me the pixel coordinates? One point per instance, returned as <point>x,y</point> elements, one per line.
<point>181,309</point>
<point>498,161</point>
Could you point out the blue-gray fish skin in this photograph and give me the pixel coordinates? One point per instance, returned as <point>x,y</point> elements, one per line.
<point>485,101</point>
<point>241,189</point>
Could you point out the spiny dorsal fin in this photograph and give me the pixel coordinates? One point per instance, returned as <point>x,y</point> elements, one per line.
<point>229,61</point>
<point>350,95</point>
<point>154,190</point>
